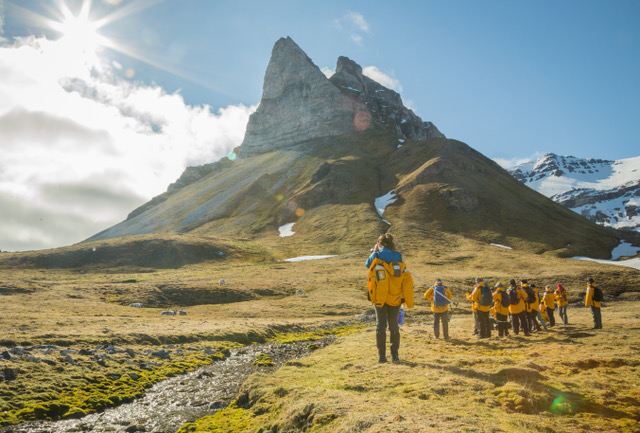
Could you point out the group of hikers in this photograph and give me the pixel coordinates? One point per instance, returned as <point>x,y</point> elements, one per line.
<point>518,307</point>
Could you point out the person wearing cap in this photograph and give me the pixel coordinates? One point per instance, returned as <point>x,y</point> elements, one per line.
<point>501,306</point>
<point>562,299</point>
<point>440,297</point>
<point>550,305</point>
<point>589,301</point>
<point>517,308</point>
<point>482,306</point>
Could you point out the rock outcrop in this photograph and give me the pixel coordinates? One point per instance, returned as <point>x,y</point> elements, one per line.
<point>299,103</point>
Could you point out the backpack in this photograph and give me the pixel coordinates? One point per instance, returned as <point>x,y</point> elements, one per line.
<point>486,297</point>
<point>531,297</point>
<point>513,296</point>
<point>506,301</point>
<point>439,297</point>
<point>597,294</point>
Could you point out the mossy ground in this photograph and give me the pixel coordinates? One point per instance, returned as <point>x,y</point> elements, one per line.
<point>568,379</point>
<point>585,377</point>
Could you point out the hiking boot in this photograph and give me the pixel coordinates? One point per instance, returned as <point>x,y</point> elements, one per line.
<point>395,346</point>
<point>381,338</point>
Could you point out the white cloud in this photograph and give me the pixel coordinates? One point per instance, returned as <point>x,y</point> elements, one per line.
<point>377,75</point>
<point>355,25</point>
<point>82,148</point>
<point>328,72</point>
<point>358,20</point>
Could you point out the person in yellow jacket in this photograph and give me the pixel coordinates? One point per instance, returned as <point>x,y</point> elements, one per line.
<point>440,297</point>
<point>562,299</point>
<point>501,304</point>
<point>389,286</point>
<point>482,298</point>
<point>517,309</point>
<point>592,299</point>
<point>534,310</point>
<point>550,305</point>
<point>476,332</point>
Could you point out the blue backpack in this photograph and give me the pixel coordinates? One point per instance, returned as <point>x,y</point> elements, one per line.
<point>439,296</point>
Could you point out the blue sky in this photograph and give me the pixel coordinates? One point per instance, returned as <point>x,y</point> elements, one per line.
<point>174,82</point>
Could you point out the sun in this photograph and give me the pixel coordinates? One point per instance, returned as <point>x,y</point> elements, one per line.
<point>79,33</point>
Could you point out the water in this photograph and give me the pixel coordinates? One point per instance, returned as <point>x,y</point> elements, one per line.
<point>169,404</point>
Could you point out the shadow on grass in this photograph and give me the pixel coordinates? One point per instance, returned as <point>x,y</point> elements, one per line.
<point>539,396</point>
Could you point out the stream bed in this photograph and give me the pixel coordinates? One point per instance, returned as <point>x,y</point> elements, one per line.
<point>173,402</point>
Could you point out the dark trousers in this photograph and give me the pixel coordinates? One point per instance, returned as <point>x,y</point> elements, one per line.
<point>503,324</point>
<point>563,314</point>
<point>533,320</point>
<point>597,317</point>
<point>484,325</point>
<point>520,321</point>
<point>444,318</point>
<point>476,329</point>
<point>552,319</point>
<point>387,315</point>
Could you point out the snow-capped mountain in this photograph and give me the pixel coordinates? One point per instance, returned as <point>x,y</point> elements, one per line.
<point>607,192</point>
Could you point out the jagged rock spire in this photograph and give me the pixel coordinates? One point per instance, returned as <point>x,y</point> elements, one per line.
<point>299,103</point>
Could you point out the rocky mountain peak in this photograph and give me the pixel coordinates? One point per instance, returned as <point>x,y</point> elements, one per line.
<point>299,104</point>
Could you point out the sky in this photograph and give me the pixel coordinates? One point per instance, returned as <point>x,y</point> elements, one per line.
<point>104,103</point>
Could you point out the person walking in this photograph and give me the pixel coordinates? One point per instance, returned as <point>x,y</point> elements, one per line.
<point>440,297</point>
<point>534,310</point>
<point>562,299</point>
<point>389,285</point>
<point>482,299</point>
<point>550,305</point>
<point>501,306</point>
<point>517,298</point>
<point>593,299</point>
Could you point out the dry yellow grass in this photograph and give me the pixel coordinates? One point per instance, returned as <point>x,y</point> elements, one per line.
<point>80,307</point>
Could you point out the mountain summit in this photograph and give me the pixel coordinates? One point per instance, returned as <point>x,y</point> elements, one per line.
<point>300,103</point>
<point>606,192</point>
<point>343,160</point>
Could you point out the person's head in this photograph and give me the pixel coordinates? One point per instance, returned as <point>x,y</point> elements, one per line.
<point>498,286</point>
<point>523,282</point>
<point>560,287</point>
<point>478,280</point>
<point>512,282</point>
<point>590,280</point>
<point>387,241</point>
<point>532,285</point>
<point>438,282</point>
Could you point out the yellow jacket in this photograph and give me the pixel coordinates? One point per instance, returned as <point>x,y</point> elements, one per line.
<point>389,286</point>
<point>475,298</point>
<point>536,305</point>
<point>428,295</point>
<point>473,304</point>
<point>562,297</point>
<point>549,299</point>
<point>522,296</point>
<point>497,301</point>
<point>588,300</point>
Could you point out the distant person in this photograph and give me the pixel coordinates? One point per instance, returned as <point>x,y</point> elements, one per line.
<point>517,308</point>
<point>482,299</point>
<point>550,305</point>
<point>501,306</point>
<point>476,331</point>
<point>390,285</point>
<point>593,299</point>
<point>440,297</point>
<point>562,299</point>
<point>534,310</point>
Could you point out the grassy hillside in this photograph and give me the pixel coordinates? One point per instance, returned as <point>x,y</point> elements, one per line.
<point>82,308</point>
<point>328,187</point>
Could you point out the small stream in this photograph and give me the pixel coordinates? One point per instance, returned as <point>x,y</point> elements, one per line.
<point>173,402</point>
